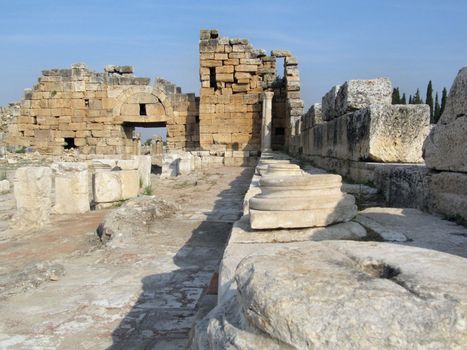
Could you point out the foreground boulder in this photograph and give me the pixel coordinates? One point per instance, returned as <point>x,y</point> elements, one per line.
<point>446,146</point>
<point>131,222</point>
<point>342,295</point>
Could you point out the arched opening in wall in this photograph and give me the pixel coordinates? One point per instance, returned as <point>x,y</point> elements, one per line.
<point>148,139</point>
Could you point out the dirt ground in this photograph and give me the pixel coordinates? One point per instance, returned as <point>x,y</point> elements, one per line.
<point>60,288</point>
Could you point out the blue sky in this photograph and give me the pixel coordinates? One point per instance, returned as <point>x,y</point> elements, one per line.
<point>408,41</point>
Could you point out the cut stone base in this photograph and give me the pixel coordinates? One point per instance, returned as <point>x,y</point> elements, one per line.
<point>302,218</point>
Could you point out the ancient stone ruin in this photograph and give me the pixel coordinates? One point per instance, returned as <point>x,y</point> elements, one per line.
<point>253,225</point>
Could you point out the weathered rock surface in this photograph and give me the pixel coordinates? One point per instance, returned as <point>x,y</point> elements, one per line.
<point>446,146</point>
<point>358,94</point>
<point>129,181</point>
<point>403,186</point>
<point>328,104</point>
<point>383,133</point>
<point>71,188</point>
<point>346,295</point>
<point>448,195</point>
<point>456,104</point>
<point>4,186</point>
<point>107,187</point>
<point>131,221</point>
<point>32,188</point>
<point>29,277</point>
<point>144,169</point>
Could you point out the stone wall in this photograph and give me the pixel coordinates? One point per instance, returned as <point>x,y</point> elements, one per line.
<point>233,76</point>
<point>357,122</point>
<point>97,112</point>
<point>8,115</point>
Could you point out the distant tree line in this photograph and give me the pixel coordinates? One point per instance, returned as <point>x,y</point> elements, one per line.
<point>436,107</point>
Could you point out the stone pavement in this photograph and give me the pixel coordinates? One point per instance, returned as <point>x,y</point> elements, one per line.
<point>141,296</point>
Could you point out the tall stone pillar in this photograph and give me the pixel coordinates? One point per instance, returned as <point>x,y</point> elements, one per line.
<point>266,129</point>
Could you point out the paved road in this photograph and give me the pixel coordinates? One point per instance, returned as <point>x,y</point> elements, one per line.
<point>140,296</point>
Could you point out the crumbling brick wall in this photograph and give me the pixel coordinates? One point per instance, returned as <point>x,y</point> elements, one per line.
<point>233,75</point>
<point>97,112</point>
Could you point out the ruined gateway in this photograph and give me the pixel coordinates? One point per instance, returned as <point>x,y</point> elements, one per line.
<point>270,227</point>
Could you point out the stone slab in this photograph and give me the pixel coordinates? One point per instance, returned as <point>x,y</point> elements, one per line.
<point>32,189</point>
<point>107,187</point>
<point>71,188</point>
<point>381,133</point>
<point>343,211</point>
<point>421,229</point>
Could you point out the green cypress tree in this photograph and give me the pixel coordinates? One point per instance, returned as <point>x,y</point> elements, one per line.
<point>410,100</point>
<point>417,99</point>
<point>437,112</point>
<point>429,99</point>
<point>444,97</point>
<point>396,96</point>
<point>403,99</point>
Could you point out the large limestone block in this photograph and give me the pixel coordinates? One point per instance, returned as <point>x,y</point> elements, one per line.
<point>107,187</point>
<point>32,189</point>
<point>351,295</point>
<point>4,186</point>
<point>358,94</point>
<point>382,133</point>
<point>71,188</point>
<point>448,195</point>
<point>456,104</point>
<point>326,214</point>
<point>144,169</point>
<point>446,146</point>
<point>129,181</point>
<point>328,104</point>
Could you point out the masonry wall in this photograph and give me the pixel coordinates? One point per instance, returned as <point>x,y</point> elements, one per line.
<point>96,113</point>
<point>233,75</point>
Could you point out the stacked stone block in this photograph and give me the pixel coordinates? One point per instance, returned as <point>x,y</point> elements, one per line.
<point>445,152</point>
<point>357,122</point>
<point>233,75</point>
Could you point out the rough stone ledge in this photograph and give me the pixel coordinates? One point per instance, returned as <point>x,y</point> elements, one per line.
<point>341,294</point>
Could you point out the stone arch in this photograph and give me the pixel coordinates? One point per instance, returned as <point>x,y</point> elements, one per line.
<point>158,107</point>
